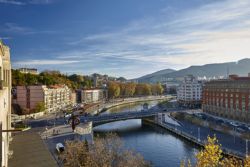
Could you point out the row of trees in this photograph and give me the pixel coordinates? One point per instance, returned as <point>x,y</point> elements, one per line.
<point>105,152</point>
<point>116,89</point>
<point>50,78</point>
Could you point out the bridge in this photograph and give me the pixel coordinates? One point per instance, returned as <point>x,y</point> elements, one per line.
<point>106,118</point>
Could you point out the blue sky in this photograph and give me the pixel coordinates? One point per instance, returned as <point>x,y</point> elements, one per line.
<point>126,38</point>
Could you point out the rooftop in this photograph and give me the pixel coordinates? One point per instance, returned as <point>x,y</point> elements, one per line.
<point>29,150</point>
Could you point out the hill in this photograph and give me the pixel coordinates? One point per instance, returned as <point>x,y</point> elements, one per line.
<point>241,67</point>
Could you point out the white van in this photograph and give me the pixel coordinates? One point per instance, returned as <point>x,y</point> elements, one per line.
<point>59,147</point>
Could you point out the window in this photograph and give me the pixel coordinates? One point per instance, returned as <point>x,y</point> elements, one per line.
<point>243,103</point>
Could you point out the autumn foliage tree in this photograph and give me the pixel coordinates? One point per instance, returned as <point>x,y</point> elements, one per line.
<point>211,156</point>
<point>105,152</point>
<point>117,89</point>
<point>113,90</point>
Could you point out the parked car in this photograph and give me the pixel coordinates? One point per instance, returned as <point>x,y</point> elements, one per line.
<point>67,115</point>
<point>234,124</point>
<point>59,147</point>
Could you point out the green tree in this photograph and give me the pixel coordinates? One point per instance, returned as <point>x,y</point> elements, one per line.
<point>40,106</point>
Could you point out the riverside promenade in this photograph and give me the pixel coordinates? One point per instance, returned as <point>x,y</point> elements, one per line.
<point>231,145</point>
<point>117,102</point>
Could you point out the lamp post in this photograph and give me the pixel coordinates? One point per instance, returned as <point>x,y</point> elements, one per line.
<point>198,134</point>
<point>234,135</point>
<point>246,148</point>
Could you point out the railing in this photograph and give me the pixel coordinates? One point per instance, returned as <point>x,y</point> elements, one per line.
<point>193,139</point>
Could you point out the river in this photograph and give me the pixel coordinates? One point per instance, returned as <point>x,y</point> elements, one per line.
<point>157,145</point>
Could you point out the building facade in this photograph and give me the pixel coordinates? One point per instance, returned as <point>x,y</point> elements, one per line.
<point>28,70</point>
<point>5,102</point>
<point>92,95</point>
<point>229,98</point>
<point>189,93</point>
<point>53,97</point>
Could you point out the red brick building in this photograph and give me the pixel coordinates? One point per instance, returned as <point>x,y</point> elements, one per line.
<point>229,98</point>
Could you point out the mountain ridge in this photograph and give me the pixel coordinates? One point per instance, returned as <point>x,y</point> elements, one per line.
<point>241,67</point>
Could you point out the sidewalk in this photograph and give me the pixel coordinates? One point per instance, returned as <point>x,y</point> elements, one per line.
<point>30,151</point>
<point>57,131</point>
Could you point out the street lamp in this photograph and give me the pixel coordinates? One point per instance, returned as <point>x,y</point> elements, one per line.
<point>234,135</point>
<point>198,134</point>
<point>246,148</point>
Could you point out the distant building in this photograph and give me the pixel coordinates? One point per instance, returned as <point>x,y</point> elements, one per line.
<point>28,70</point>
<point>5,102</point>
<point>189,93</point>
<point>95,81</point>
<point>92,95</point>
<point>54,97</point>
<point>170,87</point>
<point>229,98</point>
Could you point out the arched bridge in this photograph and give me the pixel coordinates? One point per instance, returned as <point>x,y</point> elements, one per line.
<point>106,118</point>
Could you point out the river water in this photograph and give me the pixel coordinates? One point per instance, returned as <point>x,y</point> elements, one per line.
<point>157,145</point>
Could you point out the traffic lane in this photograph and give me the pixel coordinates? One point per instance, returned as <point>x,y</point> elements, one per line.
<point>238,126</point>
<point>44,123</point>
<point>226,140</point>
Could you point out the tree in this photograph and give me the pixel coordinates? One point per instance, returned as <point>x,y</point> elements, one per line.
<point>212,156</point>
<point>113,90</point>
<point>105,152</point>
<point>40,106</point>
<point>130,89</point>
<point>143,90</point>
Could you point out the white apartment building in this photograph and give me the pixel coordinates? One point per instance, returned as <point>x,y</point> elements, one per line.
<point>5,102</point>
<point>53,97</point>
<point>92,95</point>
<point>189,93</point>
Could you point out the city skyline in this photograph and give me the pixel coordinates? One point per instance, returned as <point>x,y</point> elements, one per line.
<point>118,38</point>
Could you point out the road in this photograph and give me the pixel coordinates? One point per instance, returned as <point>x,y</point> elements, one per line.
<point>227,141</point>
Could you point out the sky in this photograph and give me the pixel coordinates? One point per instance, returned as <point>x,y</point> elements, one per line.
<point>128,38</point>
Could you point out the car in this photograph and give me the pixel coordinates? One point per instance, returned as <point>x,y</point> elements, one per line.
<point>67,115</point>
<point>234,124</point>
<point>219,121</point>
<point>243,128</point>
<point>59,147</point>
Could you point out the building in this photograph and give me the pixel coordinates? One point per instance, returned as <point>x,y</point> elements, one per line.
<point>92,95</point>
<point>170,87</point>
<point>28,70</point>
<point>53,97</point>
<point>189,93</point>
<point>73,99</point>
<point>229,98</point>
<point>5,102</point>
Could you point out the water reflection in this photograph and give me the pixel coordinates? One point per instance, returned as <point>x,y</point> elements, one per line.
<point>157,145</point>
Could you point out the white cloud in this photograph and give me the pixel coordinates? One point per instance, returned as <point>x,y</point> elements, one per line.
<point>11,28</point>
<point>44,62</point>
<point>26,2</point>
<point>12,2</point>
<point>213,33</point>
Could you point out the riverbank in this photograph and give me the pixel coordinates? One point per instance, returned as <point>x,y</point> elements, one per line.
<point>199,138</point>
<point>99,108</point>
